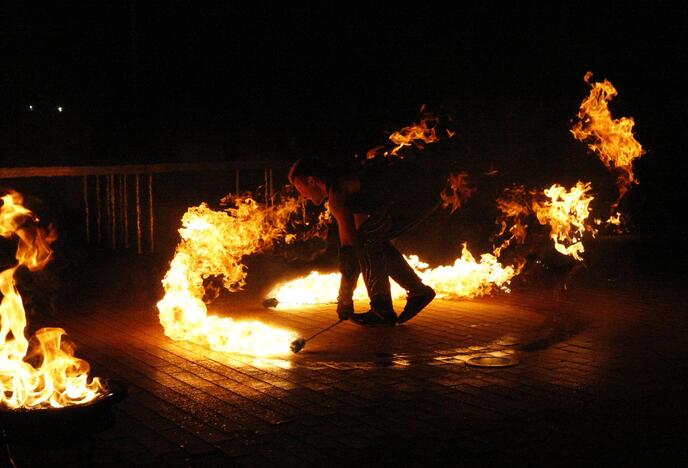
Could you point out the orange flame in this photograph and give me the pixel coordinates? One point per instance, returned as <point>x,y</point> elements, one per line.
<point>465,278</point>
<point>612,139</point>
<point>566,212</point>
<point>424,131</point>
<point>213,243</point>
<point>43,372</point>
<point>514,206</point>
<point>458,191</point>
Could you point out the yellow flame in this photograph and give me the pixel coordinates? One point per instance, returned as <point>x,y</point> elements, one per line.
<point>565,212</point>
<point>415,134</point>
<point>465,278</point>
<point>42,372</point>
<point>612,139</point>
<point>213,243</point>
<point>614,224</point>
<point>615,219</point>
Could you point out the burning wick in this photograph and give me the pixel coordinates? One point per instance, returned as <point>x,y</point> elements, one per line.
<point>297,345</point>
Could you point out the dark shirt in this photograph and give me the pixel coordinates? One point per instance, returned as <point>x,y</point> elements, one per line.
<point>400,184</point>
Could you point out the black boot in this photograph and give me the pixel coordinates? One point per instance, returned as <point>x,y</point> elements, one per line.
<point>381,313</point>
<point>416,302</point>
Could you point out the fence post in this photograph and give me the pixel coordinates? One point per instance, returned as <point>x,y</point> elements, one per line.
<point>150,213</point>
<point>87,213</point>
<point>138,215</point>
<point>98,210</point>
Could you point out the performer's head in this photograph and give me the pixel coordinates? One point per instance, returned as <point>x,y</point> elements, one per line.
<point>311,178</point>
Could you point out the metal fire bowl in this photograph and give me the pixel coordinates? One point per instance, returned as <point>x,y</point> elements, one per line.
<point>60,426</point>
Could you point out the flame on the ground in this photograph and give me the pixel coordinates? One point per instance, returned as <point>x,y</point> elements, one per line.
<point>415,134</point>
<point>42,372</point>
<point>213,243</point>
<point>566,212</point>
<point>612,139</point>
<point>465,278</point>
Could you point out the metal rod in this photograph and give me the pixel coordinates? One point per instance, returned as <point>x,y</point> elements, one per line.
<point>150,213</point>
<point>125,202</point>
<point>138,215</point>
<point>98,213</point>
<point>106,208</point>
<point>113,211</point>
<point>298,344</point>
<point>265,185</point>
<point>325,329</point>
<point>87,214</point>
<point>122,213</point>
<point>78,171</point>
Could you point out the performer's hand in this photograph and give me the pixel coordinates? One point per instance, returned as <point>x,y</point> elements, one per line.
<point>345,310</point>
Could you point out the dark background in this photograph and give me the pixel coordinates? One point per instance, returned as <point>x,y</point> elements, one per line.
<point>198,81</point>
<point>187,80</point>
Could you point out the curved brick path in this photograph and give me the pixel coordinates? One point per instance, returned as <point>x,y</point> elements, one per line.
<point>601,378</point>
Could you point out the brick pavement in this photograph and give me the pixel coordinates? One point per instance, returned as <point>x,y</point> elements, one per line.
<point>600,379</point>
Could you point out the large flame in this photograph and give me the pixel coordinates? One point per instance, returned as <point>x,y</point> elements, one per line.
<point>566,212</point>
<point>465,278</point>
<point>213,243</point>
<point>612,139</point>
<point>42,372</point>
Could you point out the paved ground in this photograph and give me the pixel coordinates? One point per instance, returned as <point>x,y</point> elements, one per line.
<point>600,379</point>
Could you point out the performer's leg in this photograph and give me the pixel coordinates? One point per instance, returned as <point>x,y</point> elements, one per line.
<point>419,294</point>
<point>372,239</point>
<point>399,269</point>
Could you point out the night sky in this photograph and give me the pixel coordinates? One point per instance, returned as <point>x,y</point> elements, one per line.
<point>188,81</point>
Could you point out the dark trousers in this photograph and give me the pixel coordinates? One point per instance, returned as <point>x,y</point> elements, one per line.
<point>378,258</point>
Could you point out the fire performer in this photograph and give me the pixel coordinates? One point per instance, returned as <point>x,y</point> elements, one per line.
<point>372,205</point>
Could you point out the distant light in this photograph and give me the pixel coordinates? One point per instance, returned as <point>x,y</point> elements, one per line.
<point>59,108</point>
<point>30,107</point>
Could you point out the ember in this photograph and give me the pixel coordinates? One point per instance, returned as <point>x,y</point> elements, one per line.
<point>42,373</point>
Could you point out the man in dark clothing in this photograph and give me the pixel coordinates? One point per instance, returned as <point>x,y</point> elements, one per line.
<point>372,206</point>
